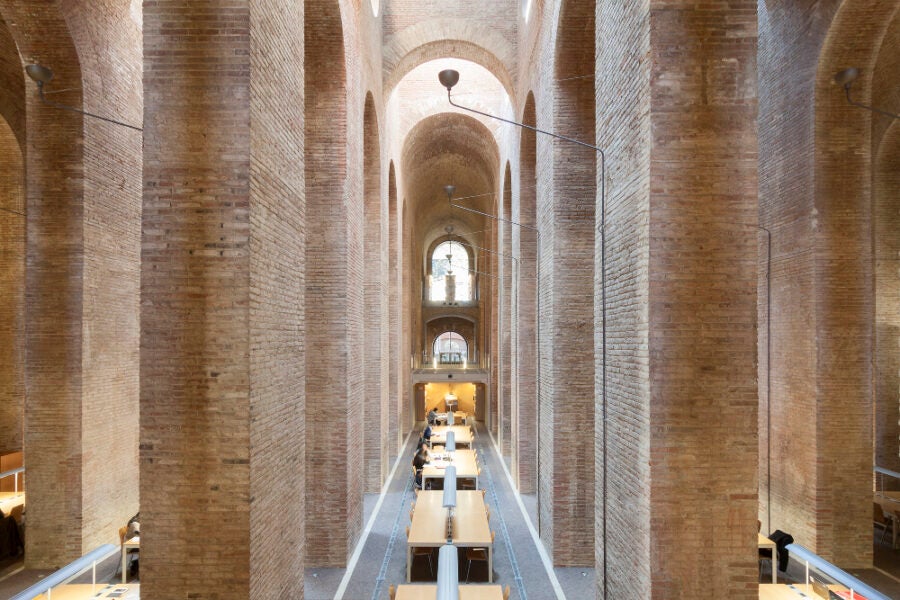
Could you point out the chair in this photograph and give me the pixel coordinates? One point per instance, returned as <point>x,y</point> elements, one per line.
<point>426,552</point>
<point>881,520</point>
<point>392,592</point>
<point>417,481</point>
<point>506,593</point>
<point>469,483</point>
<point>477,554</point>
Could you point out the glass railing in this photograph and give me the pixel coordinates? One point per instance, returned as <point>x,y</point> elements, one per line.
<point>824,580</point>
<point>60,581</point>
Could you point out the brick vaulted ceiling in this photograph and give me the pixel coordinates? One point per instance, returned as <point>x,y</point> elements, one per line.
<point>449,148</point>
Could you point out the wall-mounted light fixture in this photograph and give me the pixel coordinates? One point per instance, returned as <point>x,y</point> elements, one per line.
<point>846,79</point>
<point>41,75</point>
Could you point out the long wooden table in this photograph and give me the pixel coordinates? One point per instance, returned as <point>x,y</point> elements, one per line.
<point>784,591</point>
<point>463,460</point>
<point>470,525</point>
<point>466,592</point>
<point>10,500</point>
<point>462,433</point>
<point>762,542</point>
<point>87,591</point>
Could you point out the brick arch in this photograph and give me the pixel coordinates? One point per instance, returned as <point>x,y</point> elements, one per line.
<point>505,285</point>
<point>566,221</point>
<point>332,282</point>
<point>394,264</point>
<point>844,275</point>
<point>12,84</point>
<point>12,282</point>
<point>886,188</point>
<point>525,248</point>
<point>885,195</point>
<point>12,244</point>
<point>441,147</point>
<point>54,253</point>
<point>448,38</point>
<point>375,434</point>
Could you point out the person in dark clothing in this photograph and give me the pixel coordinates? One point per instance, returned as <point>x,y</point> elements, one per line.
<point>426,435</point>
<point>419,461</point>
<point>432,416</point>
<point>10,541</point>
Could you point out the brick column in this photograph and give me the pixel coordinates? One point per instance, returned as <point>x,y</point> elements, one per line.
<point>524,244</point>
<point>886,183</point>
<point>222,295</point>
<point>681,463</point>
<point>565,217</point>
<point>504,274</point>
<point>81,280</point>
<point>12,300</point>
<point>335,287</point>
<point>12,244</point>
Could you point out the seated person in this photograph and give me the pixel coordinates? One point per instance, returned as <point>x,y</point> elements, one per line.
<point>426,435</point>
<point>132,530</point>
<point>432,416</point>
<point>10,541</point>
<point>419,461</point>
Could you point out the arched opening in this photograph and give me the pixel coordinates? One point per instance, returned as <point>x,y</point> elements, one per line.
<point>566,376</point>
<point>332,381</point>
<point>12,299</point>
<point>507,322</point>
<point>525,247</point>
<point>396,353</point>
<point>451,273</point>
<point>375,349</point>
<point>451,348</point>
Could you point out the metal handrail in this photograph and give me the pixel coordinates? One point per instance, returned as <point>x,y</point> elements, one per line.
<point>882,471</point>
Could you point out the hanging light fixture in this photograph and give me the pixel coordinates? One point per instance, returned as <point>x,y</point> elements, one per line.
<point>41,75</point>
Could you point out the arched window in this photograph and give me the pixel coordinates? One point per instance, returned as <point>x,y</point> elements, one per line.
<point>450,348</point>
<point>450,273</point>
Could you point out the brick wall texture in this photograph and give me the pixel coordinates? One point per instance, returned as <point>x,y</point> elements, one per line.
<point>222,426</point>
<point>12,301</point>
<point>815,198</point>
<point>219,317</point>
<point>12,244</point>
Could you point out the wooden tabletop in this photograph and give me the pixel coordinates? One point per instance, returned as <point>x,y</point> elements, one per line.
<point>764,542</point>
<point>463,460</point>
<point>429,522</point>
<point>890,502</point>
<point>466,592</point>
<point>86,591</point>
<point>10,500</point>
<point>462,433</point>
<point>780,591</point>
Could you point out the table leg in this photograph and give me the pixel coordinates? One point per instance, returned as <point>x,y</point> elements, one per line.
<point>124,558</point>
<point>896,521</point>
<point>491,563</point>
<point>774,565</point>
<point>408,563</point>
